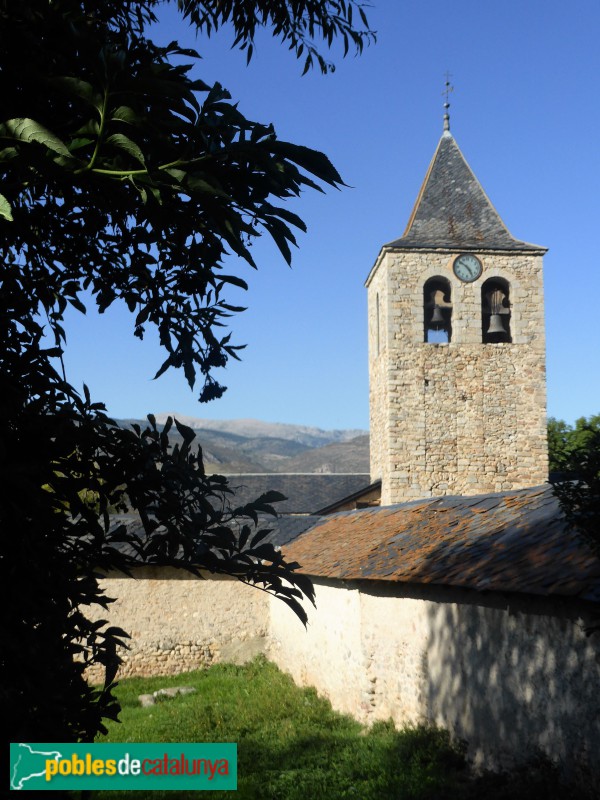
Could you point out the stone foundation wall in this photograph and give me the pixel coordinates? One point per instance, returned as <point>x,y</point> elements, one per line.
<point>513,677</point>
<point>178,623</point>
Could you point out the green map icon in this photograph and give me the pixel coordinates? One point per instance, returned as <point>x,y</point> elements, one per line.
<point>28,764</point>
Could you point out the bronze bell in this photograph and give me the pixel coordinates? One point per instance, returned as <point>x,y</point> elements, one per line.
<point>437,319</point>
<point>496,325</point>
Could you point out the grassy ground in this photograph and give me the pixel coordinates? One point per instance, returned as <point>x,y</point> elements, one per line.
<point>292,746</point>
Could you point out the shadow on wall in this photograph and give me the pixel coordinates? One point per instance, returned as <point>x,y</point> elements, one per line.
<point>516,676</point>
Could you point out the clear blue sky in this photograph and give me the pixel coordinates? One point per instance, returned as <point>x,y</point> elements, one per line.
<point>526,115</point>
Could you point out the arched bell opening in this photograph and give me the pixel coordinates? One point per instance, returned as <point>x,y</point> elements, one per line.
<point>495,311</point>
<point>437,311</point>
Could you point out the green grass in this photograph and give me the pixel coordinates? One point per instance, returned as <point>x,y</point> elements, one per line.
<point>292,746</point>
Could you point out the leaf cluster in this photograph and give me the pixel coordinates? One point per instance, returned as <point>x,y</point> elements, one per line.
<point>296,22</point>
<point>575,454</point>
<point>570,446</point>
<point>62,448</point>
<point>125,178</point>
<point>183,176</point>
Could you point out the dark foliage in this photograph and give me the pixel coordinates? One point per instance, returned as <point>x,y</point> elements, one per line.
<point>576,454</point>
<point>124,179</point>
<point>568,444</point>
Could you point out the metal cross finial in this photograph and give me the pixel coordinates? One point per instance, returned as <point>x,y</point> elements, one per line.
<point>448,89</point>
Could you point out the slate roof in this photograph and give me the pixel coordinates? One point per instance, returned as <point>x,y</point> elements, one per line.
<point>305,492</point>
<point>287,529</point>
<point>284,529</point>
<point>372,491</point>
<point>507,542</point>
<point>452,210</point>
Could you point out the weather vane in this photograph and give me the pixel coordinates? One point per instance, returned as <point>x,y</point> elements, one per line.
<point>448,89</point>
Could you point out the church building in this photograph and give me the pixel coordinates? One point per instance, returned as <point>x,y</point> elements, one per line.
<point>463,605</point>
<point>456,346</point>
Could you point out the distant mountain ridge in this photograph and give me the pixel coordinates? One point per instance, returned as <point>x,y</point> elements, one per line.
<point>246,446</point>
<point>254,428</point>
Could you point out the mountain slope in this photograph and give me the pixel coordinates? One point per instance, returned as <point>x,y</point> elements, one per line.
<point>251,446</point>
<point>254,428</point>
<point>350,456</point>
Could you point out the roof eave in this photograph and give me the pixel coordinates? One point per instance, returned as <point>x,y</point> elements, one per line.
<point>400,245</point>
<point>476,247</point>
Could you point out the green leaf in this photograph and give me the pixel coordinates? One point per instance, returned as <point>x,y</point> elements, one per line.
<point>280,236</point>
<point>202,185</point>
<point>76,303</point>
<point>311,160</point>
<point>185,432</point>
<point>8,152</point>
<point>28,130</point>
<point>258,537</point>
<point>156,194</point>
<point>178,174</point>
<point>143,192</point>
<point>244,535</point>
<point>124,143</point>
<point>5,209</point>
<point>78,142</point>
<point>270,497</point>
<point>168,362</point>
<point>234,281</point>
<point>79,88</point>
<point>288,216</point>
<point>124,114</point>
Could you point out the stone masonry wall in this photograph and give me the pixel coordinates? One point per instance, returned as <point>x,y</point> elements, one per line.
<point>462,417</point>
<point>378,371</point>
<point>178,622</point>
<point>512,676</point>
<point>328,653</point>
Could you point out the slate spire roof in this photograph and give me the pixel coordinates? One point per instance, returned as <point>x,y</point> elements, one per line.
<point>452,210</point>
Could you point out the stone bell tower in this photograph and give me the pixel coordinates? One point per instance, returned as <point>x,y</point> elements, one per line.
<point>456,346</point>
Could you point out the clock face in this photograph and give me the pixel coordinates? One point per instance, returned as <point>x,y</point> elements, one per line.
<point>467,267</point>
